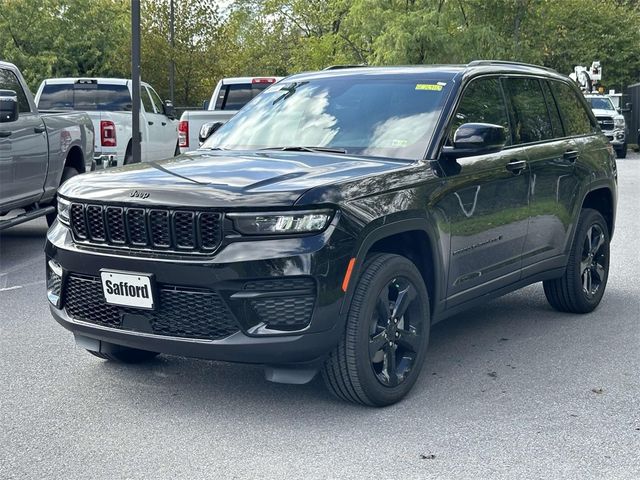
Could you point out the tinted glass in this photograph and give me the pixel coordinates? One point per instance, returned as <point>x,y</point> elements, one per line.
<point>91,96</point>
<point>234,97</point>
<point>9,81</point>
<point>390,115</point>
<point>482,102</point>
<point>155,98</point>
<point>574,115</point>
<point>556,123</point>
<point>146,100</point>
<point>531,121</point>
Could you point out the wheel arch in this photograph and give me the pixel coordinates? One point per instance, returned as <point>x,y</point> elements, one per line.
<point>602,200</point>
<point>412,239</point>
<point>75,159</point>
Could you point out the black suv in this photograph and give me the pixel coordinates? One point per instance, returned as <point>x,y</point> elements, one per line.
<point>338,216</point>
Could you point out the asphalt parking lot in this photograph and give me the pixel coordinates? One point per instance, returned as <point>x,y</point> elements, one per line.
<point>510,390</point>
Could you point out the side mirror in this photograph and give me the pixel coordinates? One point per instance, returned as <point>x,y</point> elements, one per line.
<point>8,106</point>
<point>476,139</point>
<point>168,110</point>
<point>207,130</point>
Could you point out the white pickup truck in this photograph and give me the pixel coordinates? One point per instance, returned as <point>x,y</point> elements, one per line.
<point>108,102</point>
<point>229,96</point>
<point>611,121</point>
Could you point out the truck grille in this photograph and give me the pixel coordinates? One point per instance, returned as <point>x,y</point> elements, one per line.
<point>606,123</point>
<point>179,312</point>
<point>181,231</point>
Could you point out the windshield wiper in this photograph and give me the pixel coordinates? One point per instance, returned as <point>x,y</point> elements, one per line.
<point>298,148</point>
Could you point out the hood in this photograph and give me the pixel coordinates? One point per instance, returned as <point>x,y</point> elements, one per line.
<point>224,179</point>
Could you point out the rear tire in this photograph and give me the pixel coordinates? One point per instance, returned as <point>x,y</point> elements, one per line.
<point>381,352</point>
<point>582,286</point>
<point>120,354</point>
<point>67,173</point>
<point>177,150</point>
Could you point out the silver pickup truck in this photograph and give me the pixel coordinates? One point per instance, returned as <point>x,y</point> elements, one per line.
<point>37,152</point>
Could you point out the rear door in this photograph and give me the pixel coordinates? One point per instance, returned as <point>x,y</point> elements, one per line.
<point>486,200</point>
<point>552,157</point>
<point>151,133</point>
<point>23,148</point>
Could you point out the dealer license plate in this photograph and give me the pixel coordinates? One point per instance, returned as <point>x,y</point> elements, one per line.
<point>127,289</point>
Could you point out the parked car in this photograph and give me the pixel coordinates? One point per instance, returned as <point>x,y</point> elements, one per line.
<point>229,96</point>
<point>611,122</point>
<point>332,221</point>
<point>108,103</point>
<point>37,152</point>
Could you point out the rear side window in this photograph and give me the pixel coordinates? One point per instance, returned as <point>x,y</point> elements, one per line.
<point>574,114</point>
<point>9,81</point>
<point>85,96</point>
<point>482,102</point>
<point>556,123</point>
<point>236,96</point>
<point>531,121</point>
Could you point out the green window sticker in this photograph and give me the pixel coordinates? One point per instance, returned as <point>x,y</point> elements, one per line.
<point>429,86</point>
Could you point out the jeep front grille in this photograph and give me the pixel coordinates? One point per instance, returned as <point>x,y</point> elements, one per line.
<point>181,231</point>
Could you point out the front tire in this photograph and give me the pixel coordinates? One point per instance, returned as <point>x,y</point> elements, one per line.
<point>622,151</point>
<point>381,352</point>
<point>120,354</point>
<point>582,286</point>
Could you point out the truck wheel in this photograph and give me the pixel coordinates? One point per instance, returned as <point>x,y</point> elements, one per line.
<point>381,352</point>
<point>67,173</point>
<point>177,150</point>
<point>581,287</point>
<point>622,151</point>
<point>117,353</point>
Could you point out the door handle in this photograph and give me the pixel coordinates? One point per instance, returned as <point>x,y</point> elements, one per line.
<point>571,155</point>
<point>39,129</point>
<point>516,166</point>
<point>5,133</point>
<point>164,123</point>
<point>150,122</point>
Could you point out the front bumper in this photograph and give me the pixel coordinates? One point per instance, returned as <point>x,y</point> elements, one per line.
<point>244,277</point>
<point>617,137</point>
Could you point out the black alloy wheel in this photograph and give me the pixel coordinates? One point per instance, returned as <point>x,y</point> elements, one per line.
<point>393,341</point>
<point>594,261</point>
<point>582,286</point>
<point>381,352</point>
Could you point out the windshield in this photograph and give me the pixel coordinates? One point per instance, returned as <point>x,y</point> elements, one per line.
<point>385,115</point>
<point>601,103</point>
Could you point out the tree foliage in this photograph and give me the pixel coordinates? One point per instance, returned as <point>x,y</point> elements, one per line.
<point>278,37</point>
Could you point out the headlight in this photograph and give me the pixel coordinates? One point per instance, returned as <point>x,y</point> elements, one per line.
<point>618,122</point>
<point>64,207</point>
<point>272,223</point>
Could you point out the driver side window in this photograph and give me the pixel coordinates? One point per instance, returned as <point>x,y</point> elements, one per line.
<point>482,102</point>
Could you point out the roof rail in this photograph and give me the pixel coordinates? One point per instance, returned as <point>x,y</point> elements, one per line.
<point>340,67</point>
<point>476,63</point>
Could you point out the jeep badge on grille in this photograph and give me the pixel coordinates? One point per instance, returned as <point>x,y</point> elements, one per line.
<point>139,194</point>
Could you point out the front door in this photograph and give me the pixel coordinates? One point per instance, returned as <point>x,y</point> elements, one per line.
<point>23,148</point>
<point>486,202</point>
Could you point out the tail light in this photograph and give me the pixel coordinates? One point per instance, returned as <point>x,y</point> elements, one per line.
<point>107,133</point>
<point>183,134</point>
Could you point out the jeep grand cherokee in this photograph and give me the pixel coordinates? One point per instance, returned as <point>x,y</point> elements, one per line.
<point>338,216</point>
